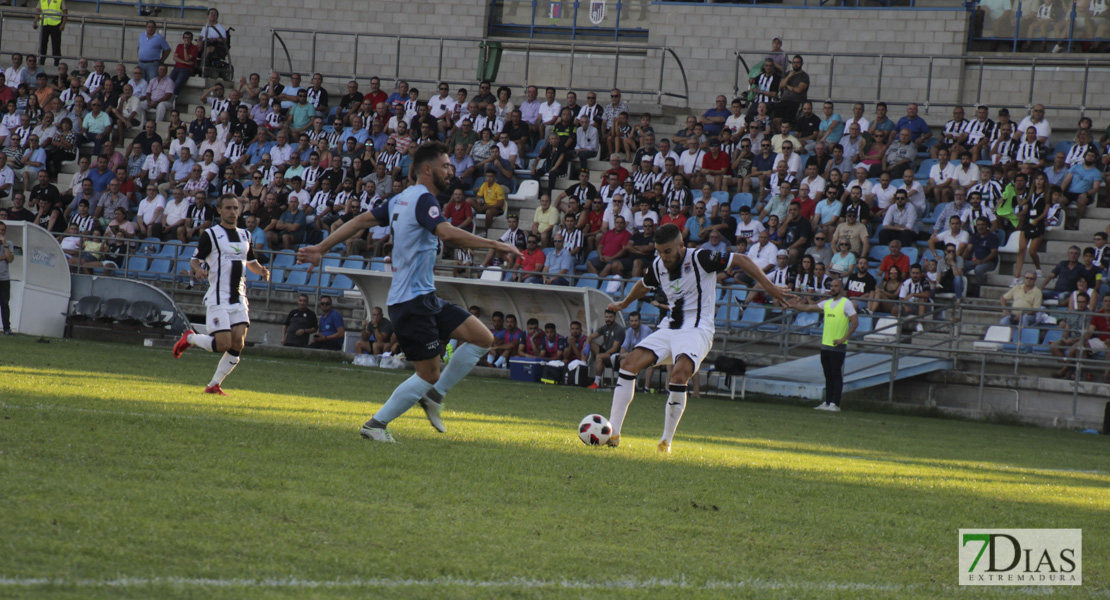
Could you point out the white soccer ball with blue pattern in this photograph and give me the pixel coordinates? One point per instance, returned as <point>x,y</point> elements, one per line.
<point>594,430</point>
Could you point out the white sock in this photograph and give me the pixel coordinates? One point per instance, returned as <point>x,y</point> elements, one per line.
<point>597,379</point>
<point>676,404</point>
<point>622,397</point>
<point>226,366</point>
<point>204,342</point>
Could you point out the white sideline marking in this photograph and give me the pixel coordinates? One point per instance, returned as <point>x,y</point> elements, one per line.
<point>516,582</point>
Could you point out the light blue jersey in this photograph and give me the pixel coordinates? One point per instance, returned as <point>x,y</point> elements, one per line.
<point>413,215</point>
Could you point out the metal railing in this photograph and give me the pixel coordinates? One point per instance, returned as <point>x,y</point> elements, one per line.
<point>310,60</point>
<point>574,18</point>
<point>84,23</point>
<point>1069,32</point>
<point>144,8</point>
<point>825,83</point>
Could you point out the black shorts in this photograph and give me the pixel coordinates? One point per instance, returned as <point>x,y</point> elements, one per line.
<point>1033,232</point>
<point>421,324</point>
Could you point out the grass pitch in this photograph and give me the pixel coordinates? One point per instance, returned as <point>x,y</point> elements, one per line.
<point>120,479</point>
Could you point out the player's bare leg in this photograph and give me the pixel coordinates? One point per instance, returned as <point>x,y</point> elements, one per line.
<point>231,343</point>
<point>637,360</point>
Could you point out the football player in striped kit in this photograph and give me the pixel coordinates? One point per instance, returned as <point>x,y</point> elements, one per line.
<point>222,254</point>
<point>687,277</point>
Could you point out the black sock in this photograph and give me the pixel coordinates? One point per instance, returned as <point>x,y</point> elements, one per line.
<point>374,424</point>
<point>434,396</point>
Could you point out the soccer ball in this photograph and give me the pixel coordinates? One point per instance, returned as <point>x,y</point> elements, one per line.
<point>594,430</point>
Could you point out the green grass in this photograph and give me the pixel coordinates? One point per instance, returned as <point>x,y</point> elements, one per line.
<point>120,479</point>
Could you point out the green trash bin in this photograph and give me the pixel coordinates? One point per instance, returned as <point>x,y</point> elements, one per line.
<point>489,60</point>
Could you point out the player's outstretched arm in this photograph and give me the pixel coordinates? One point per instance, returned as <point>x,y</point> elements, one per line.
<point>465,239</point>
<point>753,271</point>
<point>313,254</point>
<point>638,291</point>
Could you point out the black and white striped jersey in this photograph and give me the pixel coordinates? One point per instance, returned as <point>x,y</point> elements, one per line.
<point>226,252</point>
<point>691,291</point>
<point>977,130</point>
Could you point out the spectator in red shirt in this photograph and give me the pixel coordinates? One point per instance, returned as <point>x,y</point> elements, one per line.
<point>615,167</point>
<point>611,248</point>
<point>375,95</point>
<point>895,259</point>
<point>594,222</point>
<point>184,61</point>
<point>459,212</point>
<point>716,165</point>
<point>808,206</point>
<point>674,215</point>
<point>532,261</point>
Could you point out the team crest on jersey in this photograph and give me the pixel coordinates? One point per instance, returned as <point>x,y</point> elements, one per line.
<point>433,212</point>
<point>688,267</point>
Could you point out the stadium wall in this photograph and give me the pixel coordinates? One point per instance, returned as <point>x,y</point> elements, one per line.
<point>703,36</point>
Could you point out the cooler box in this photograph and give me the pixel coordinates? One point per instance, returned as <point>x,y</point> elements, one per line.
<point>526,369</point>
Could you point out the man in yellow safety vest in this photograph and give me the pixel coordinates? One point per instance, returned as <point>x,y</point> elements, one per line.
<point>53,15</point>
<point>840,323</point>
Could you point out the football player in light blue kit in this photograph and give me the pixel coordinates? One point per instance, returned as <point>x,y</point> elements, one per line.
<point>420,319</point>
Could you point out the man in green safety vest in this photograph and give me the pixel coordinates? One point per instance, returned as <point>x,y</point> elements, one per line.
<point>840,323</point>
<point>53,15</point>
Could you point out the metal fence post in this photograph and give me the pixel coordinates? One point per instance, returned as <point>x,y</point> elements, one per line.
<point>1071,27</point>
<point>879,86</point>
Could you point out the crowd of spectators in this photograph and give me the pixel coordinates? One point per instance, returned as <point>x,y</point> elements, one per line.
<point>818,191</point>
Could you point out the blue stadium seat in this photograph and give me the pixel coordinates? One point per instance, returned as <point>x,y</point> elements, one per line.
<point>910,252</point>
<point>649,313</point>
<point>878,253</point>
<point>922,173</point>
<point>548,253</point>
<point>1053,335</point>
<point>309,286</point>
<point>936,214</point>
<point>740,199</point>
<point>865,324</point>
<point>340,284</point>
<point>535,152</point>
<point>291,277</point>
<point>924,151</point>
<point>752,316</point>
<point>1029,338</point>
<point>354,262</point>
<point>136,264</point>
<point>255,282</point>
<point>722,197</point>
<point>157,268</point>
<point>808,323</point>
<point>1063,146</point>
<point>283,259</point>
<point>378,265</point>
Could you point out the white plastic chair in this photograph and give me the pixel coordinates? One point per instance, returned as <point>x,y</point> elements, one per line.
<point>996,336</point>
<point>527,190</point>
